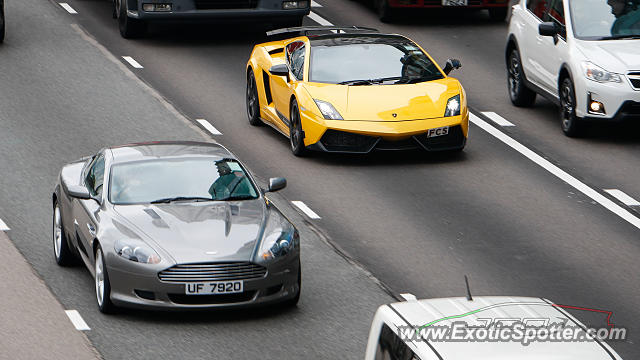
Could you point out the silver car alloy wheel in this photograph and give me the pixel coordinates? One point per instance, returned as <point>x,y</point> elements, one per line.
<point>99,277</point>
<point>57,232</point>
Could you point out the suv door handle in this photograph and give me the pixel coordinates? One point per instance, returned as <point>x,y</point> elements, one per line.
<point>92,229</point>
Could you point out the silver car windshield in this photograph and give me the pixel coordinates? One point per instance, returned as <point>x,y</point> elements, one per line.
<point>167,180</point>
<point>605,19</point>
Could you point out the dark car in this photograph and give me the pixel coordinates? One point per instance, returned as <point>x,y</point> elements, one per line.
<point>134,15</point>
<point>387,9</point>
<point>175,225</point>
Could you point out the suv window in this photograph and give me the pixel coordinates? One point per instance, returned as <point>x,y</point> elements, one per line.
<point>95,176</point>
<point>391,347</point>
<point>538,7</point>
<point>556,15</point>
<point>296,56</point>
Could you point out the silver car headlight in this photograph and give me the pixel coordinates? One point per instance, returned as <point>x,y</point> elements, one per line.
<point>453,107</point>
<point>279,240</point>
<point>328,111</point>
<point>136,250</point>
<point>595,73</point>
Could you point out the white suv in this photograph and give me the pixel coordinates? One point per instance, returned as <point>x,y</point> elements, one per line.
<point>583,55</point>
<point>483,328</point>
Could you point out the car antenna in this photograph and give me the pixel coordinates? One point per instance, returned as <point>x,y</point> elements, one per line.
<point>466,281</point>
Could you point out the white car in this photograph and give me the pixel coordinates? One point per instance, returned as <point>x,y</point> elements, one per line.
<point>583,55</point>
<point>390,335</point>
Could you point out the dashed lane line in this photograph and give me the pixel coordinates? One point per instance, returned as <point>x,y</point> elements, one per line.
<point>77,320</point>
<point>556,171</point>
<point>305,209</point>
<point>207,125</point>
<point>622,197</point>
<point>319,19</point>
<point>497,118</point>
<point>69,9</point>
<point>3,226</point>
<point>133,62</point>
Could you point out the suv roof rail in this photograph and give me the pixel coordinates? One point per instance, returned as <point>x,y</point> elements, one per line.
<point>307,29</point>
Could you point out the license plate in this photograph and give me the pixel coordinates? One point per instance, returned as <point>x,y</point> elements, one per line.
<point>455,2</point>
<point>441,131</point>
<point>215,287</point>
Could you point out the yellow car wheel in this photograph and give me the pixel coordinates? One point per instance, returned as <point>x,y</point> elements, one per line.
<point>296,134</point>
<point>253,104</point>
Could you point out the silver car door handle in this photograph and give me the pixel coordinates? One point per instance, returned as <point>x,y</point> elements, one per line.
<point>92,230</point>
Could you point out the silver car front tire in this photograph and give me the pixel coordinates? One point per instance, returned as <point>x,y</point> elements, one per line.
<point>103,286</point>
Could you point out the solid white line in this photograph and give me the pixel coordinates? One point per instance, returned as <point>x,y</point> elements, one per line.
<point>3,226</point>
<point>497,118</point>
<point>559,173</point>
<point>68,7</point>
<point>624,198</point>
<point>315,4</point>
<point>319,19</point>
<point>133,62</point>
<point>207,125</point>
<point>305,209</point>
<point>77,320</point>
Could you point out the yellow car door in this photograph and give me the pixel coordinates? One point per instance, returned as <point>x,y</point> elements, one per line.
<point>282,87</point>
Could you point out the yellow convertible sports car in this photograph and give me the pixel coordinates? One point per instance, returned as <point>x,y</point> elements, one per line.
<point>354,90</point>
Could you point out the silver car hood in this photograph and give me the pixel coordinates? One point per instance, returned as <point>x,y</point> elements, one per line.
<point>199,231</point>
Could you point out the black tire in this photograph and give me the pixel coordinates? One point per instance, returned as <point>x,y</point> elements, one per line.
<point>2,26</point>
<point>296,133</point>
<point>385,12</point>
<point>293,302</point>
<point>103,296</point>
<point>499,13</point>
<point>519,93</point>
<point>61,250</point>
<point>252,100</point>
<point>129,28</point>
<point>571,124</point>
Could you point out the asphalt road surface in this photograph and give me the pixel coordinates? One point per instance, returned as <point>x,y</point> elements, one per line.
<point>417,222</point>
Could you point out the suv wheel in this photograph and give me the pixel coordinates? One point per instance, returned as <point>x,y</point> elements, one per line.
<point>129,28</point>
<point>571,124</point>
<point>385,12</point>
<point>519,93</point>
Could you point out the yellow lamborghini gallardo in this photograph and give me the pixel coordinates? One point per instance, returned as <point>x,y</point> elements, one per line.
<point>354,90</point>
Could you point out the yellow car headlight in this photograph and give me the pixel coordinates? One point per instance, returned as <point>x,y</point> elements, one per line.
<point>328,111</point>
<point>453,107</point>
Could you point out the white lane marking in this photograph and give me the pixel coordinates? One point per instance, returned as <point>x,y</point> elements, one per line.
<point>315,4</point>
<point>408,297</point>
<point>559,173</point>
<point>3,226</point>
<point>68,7</point>
<point>497,118</point>
<point>133,62</point>
<point>319,19</point>
<point>77,320</point>
<point>305,209</point>
<point>624,198</point>
<point>207,125</point>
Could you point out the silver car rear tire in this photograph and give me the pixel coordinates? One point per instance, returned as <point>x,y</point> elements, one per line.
<point>61,250</point>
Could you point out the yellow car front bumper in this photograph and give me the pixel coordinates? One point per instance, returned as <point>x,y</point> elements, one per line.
<point>365,136</point>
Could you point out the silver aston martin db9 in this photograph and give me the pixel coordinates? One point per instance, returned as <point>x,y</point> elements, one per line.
<point>175,225</point>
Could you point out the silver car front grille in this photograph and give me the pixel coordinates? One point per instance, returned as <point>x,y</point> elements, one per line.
<point>212,272</point>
